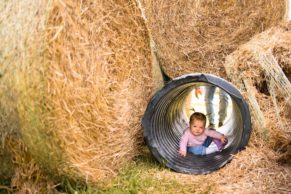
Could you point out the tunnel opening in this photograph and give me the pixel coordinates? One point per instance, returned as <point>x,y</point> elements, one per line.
<point>167,117</point>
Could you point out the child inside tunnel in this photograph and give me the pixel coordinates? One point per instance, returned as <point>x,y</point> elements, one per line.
<point>196,139</point>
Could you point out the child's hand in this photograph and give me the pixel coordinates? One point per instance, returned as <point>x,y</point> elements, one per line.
<point>223,139</point>
<point>183,154</point>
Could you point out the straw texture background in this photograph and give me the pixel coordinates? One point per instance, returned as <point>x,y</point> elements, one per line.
<point>262,69</point>
<point>75,77</point>
<point>195,36</point>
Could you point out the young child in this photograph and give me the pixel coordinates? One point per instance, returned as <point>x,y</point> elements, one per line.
<point>194,137</point>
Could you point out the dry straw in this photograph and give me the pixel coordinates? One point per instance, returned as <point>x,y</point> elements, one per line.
<point>262,70</point>
<point>82,74</point>
<point>253,170</point>
<point>195,36</point>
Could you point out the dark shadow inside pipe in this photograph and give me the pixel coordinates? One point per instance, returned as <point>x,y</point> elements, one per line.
<point>167,116</point>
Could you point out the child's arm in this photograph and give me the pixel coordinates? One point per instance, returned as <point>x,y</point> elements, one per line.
<point>215,134</point>
<point>183,145</point>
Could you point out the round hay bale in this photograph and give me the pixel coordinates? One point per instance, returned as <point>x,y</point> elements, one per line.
<point>83,83</point>
<point>261,68</point>
<point>195,36</point>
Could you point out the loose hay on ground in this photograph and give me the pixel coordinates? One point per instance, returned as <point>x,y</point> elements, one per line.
<point>253,170</point>
<point>195,36</point>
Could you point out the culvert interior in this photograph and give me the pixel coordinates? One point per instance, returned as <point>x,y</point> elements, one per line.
<point>167,117</point>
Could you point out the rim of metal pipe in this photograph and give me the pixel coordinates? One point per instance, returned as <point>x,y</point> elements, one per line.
<point>166,118</point>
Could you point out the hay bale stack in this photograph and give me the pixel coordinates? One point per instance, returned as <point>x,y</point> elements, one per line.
<point>261,69</point>
<point>195,36</point>
<point>83,87</point>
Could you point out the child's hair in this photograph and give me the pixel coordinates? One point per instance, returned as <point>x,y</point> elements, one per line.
<point>198,116</point>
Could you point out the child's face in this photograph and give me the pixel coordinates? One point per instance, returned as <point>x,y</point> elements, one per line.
<point>197,127</point>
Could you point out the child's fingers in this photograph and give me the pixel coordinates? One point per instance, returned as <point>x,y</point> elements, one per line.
<point>182,154</point>
<point>222,139</point>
